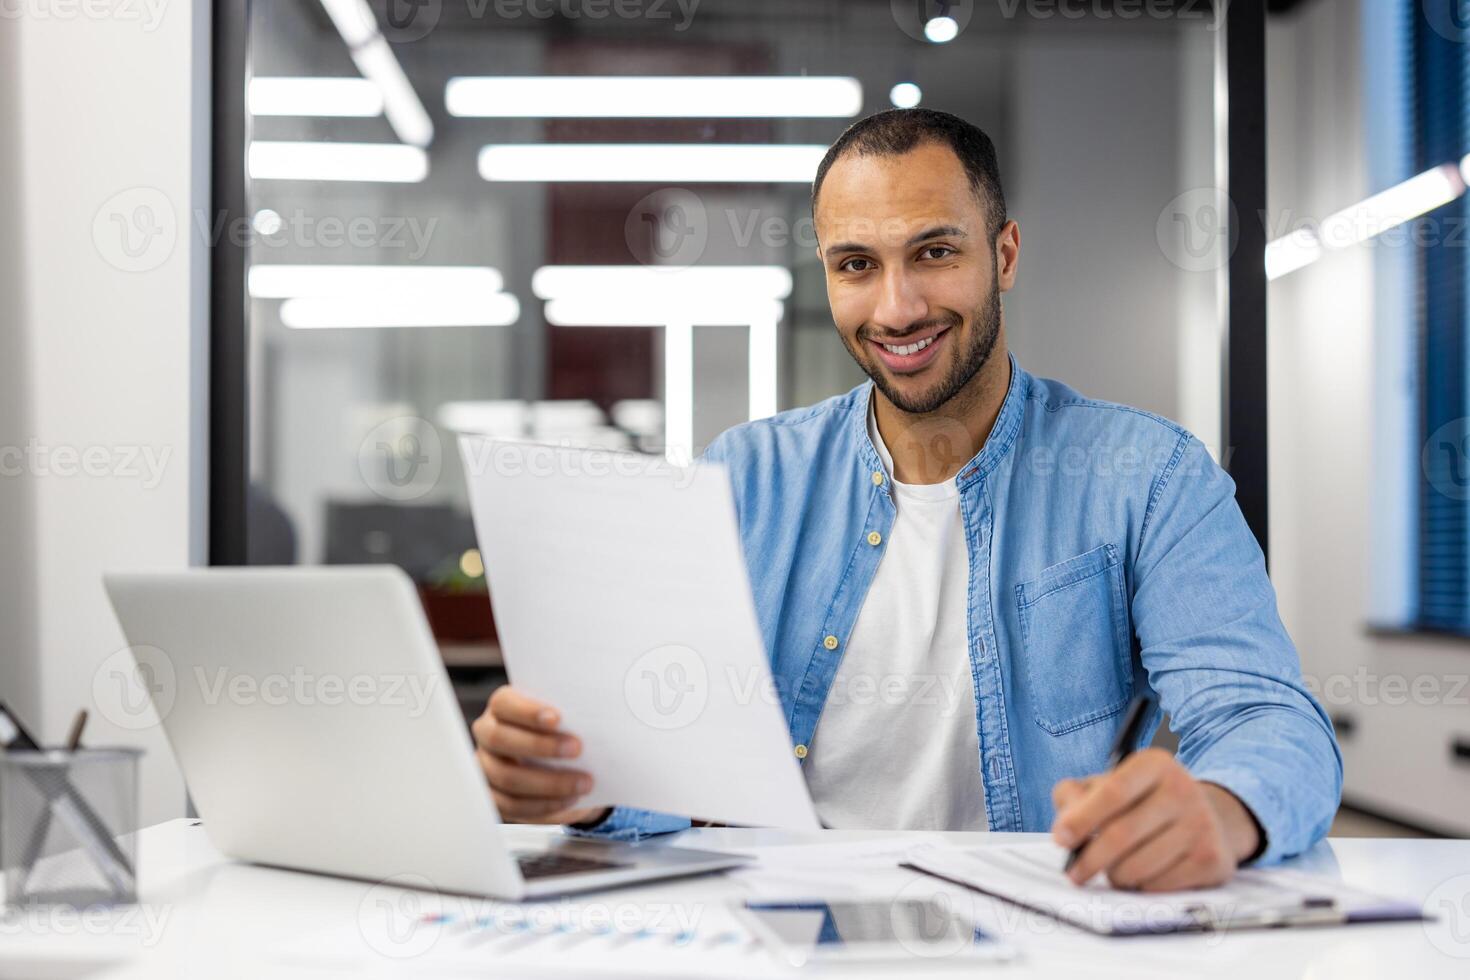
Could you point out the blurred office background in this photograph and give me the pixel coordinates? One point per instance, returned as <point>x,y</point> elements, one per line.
<point>357,395</point>
<point>433,250</point>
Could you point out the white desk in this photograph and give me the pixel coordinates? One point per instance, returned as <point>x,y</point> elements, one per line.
<point>203,916</point>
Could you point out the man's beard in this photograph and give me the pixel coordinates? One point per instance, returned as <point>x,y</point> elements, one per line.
<point>984,333</point>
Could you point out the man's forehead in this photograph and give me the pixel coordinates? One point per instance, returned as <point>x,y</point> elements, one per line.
<point>895,196</point>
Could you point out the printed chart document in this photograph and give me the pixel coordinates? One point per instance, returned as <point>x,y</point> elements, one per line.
<point>1031,875</point>
<point>621,597</point>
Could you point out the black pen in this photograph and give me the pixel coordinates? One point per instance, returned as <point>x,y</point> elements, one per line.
<point>1123,746</point>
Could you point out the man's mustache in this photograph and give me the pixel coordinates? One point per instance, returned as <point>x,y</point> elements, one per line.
<point>868,333</point>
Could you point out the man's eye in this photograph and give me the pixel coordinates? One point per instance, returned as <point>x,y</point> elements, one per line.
<point>849,265</point>
<point>944,250</point>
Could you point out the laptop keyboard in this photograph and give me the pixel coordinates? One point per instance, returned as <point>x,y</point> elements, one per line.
<point>551,863</point>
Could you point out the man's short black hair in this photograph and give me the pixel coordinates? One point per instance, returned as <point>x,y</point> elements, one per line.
<point>897,131</point>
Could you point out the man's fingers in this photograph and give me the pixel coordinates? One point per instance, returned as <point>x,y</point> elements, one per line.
<point>1154,855</point>
<point>1123,835</point>
<point>1204,863</point>
<point>511,706</point>
<point>1066,791</point>
<point>1109,794</point>
<point>509,776</point>
<point>519,743</point>
<point>519,808</point>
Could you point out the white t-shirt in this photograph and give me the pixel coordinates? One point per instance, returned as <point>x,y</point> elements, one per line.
<point>896,746</point>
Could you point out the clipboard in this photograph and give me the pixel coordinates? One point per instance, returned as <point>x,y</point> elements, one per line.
<point>1031,876</point>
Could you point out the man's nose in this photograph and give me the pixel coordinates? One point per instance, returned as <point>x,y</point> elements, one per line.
<point>899,302</point>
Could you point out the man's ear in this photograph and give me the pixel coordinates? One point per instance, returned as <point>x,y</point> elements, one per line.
<point>1007,255</point>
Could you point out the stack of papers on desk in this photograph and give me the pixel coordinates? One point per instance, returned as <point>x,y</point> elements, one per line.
<point>829,870</point>
<point>1031,876</point>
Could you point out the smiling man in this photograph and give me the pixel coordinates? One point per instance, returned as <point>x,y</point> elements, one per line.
<point>964,573</point>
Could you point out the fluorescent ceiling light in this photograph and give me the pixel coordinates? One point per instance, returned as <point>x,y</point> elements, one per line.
<point>373,57</point>
<point>763,351</point>
<point>450,282</point>
<point>314,97</point>
<point>387,162</point>
<point>406,114</point>
<point>1403,202</point>
<point>495,418</point>
<point>674,96</point>
<point>723,311</point>
<point>312,312</point>
<point>731,163</point>
<point>1292,252</point>
<point>353,19</point>
<point>651,284</point>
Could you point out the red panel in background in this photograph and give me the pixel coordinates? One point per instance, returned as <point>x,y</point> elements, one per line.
<point>587,221</point>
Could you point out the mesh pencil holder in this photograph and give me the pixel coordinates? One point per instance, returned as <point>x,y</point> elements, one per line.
<point>66,826</point>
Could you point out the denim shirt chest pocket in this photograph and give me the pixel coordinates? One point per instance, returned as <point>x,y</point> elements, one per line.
<point>1074,634</point>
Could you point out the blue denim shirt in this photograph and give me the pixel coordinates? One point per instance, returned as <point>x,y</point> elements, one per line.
<point>1107,554</point>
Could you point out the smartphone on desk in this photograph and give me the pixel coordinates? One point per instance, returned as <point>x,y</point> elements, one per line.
<point>848,931</point>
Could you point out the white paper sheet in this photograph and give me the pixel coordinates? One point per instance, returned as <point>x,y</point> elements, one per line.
<point>1032,875</point>
<point>621,597</point>
<point>846,869</point>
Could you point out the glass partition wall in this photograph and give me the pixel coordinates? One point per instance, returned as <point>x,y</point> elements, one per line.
<point>588,222</point>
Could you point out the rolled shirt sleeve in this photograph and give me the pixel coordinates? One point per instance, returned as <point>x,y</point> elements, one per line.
<point>1226,671</point>
<point>627,824</point>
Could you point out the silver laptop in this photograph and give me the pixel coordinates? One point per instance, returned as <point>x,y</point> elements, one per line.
<point>317,730</point>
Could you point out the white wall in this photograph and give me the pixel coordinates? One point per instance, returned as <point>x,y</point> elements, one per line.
<point>103,352</point>
<point>1332,368</point>
<point>19,667</point>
